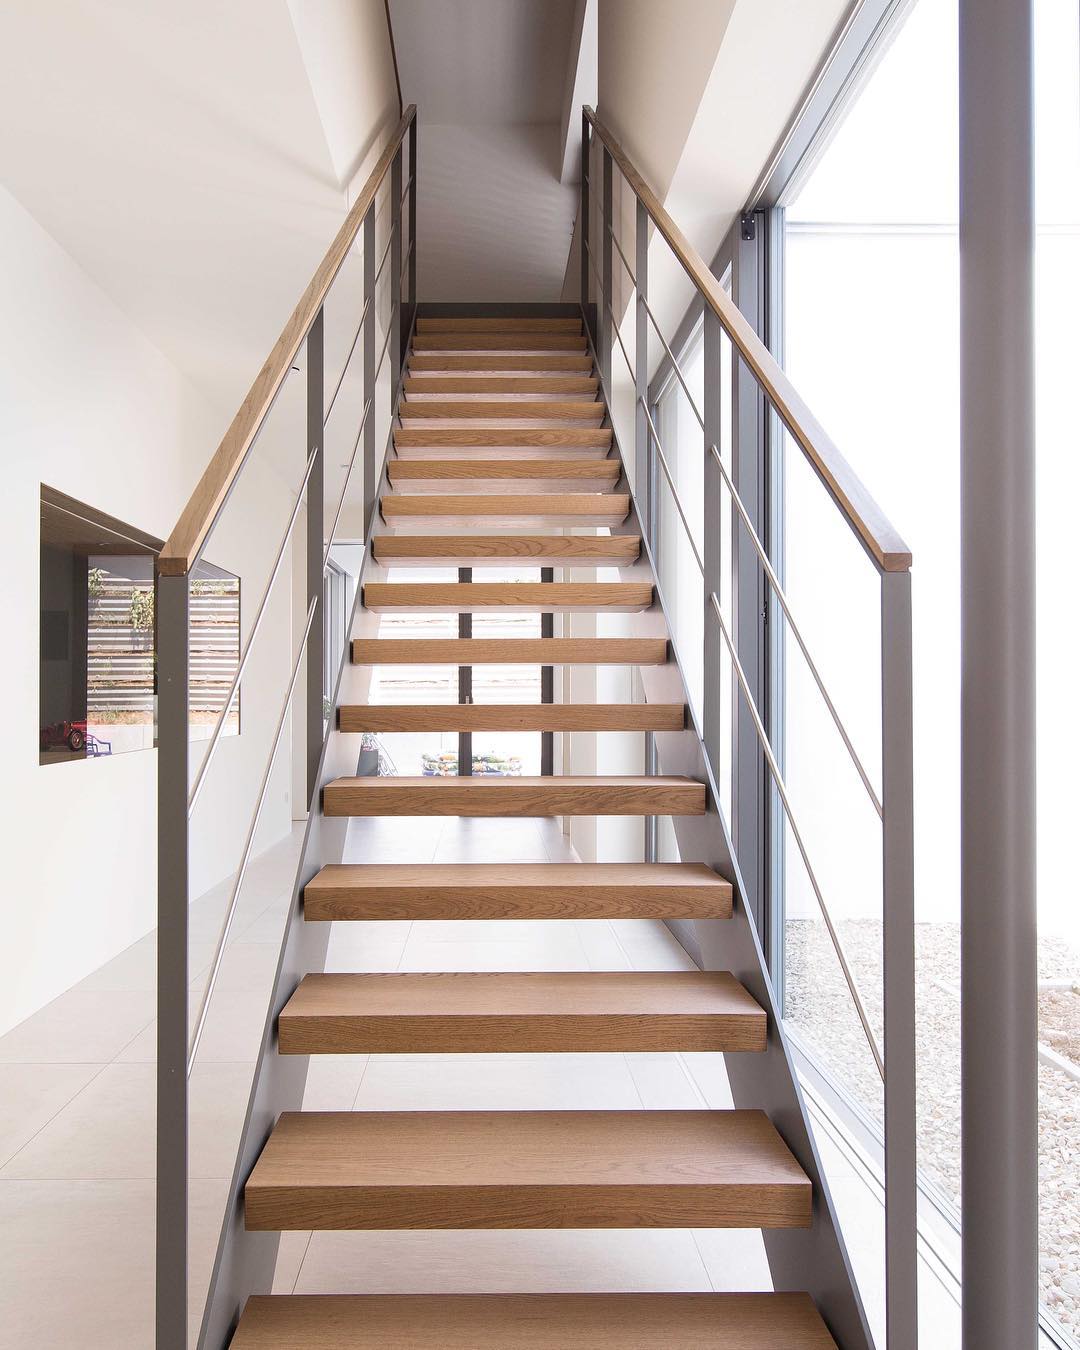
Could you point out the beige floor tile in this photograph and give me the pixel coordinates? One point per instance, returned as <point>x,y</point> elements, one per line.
<point>557,954</point>
<point>663,1084</point>
<point>32,1095</point>
<point>83,1026</point>
<point>333,1082</point>
<point>614,1260</point>
<point>735,1259</point>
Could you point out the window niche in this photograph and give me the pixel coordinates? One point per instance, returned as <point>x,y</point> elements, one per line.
<point>98,639</point>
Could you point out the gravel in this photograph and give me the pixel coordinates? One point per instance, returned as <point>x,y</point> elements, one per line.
<point>819,1005</point>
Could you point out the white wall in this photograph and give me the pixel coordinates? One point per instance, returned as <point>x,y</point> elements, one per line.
<point>89,406</point>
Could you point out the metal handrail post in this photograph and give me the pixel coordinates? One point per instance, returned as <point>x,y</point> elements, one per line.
<point>714,714</point>
<point>394,318</point>
<point>606,316</point>
<point>370,464</point>
<point>171,668</point>
<point>413,176</point>
<point>641,369</point>
<point>314,526</point>
<point>898,963</point>
<point>583,220</point>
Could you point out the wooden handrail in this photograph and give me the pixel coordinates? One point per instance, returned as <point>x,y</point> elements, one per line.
<point>198,516</point>
<point>866,518</point>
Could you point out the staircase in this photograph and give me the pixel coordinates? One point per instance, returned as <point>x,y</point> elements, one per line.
<point>502,442</point>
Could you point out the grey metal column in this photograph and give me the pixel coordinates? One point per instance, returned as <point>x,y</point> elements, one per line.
<point>414,180</point>
<point>714,715</point>
<point>999,1075</point>
<point>465,674</point>
<point>583,220</point>
<point>898,964</point>
<point>371,458</point>
<point>394,318</point>
<point>605,304</point>
<point>171,642</point>
<point>646,506</point>
<point>314,531</point>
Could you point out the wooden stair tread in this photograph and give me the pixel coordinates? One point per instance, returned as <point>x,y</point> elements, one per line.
<point>539,384</point>
<point>512,717</point>
<point>388,597</point>
<point>498,324</point>
<point>436,438</point>
<point>481,341</point>
<point>562,508</point>
<point>531,1322</point>
<point>516,890</point>
<point>504,409</point>
<point>510,651</point>
<point>482,795</point>
<point>526,1169</point>
<point>451,469</point>
<point>501,361</point>
<point>519,1013</point>
<point>479,550</point>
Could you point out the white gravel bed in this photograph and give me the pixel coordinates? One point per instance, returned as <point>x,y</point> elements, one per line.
<point>819,1005</point>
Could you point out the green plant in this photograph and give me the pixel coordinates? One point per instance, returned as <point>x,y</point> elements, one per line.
<point>141,610</point>
<point>95,582</point>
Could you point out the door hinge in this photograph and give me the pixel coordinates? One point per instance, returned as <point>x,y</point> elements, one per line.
<point>748,227</point>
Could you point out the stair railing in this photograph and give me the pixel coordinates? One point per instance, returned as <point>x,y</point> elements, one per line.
<point>249,462</point>
<point>895,1058</point>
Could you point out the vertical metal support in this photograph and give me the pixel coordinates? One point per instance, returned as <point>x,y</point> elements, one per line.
<point>371,457</point>
<point>414,179</point>
<point>394,317</point>
<point>547,684</point>
<point>999,992</point>
<point>715,716</point>
<point>583,221</point>
<point>605,307</point>
<point>465,685</point>
<point>642,486</point>
<point>898,963</point>
<point>315,726</point>
<point>750,595</point>
<point>171,642</point>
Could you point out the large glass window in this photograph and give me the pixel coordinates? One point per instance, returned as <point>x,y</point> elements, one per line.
<point>871,340</point>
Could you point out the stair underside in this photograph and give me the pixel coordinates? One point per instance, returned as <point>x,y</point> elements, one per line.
<point>618,1012</point>
<point>531,1322</point>
<point>512,717</point>
<point>474,511</point>
<point>510,651</point>
<point>494,550</point>
<point>526,1169</point>
<point>562,795</point>
<point>509,597</point>
<point>363,891</point>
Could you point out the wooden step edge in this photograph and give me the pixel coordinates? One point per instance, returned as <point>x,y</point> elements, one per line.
<point>538,385</point>
<point>352,891</point>
<point>765,1321</point>
<point>494,342</point>
<point>406,717</point>
<point>628,1012</point>
<point>502,362</point>
<point>497,323</point>
<point>510,651</point>
<point>504,410</point>
<point>405,470</point>
<point>563,795</point>
<point>496,549</point>
<point>525,1169</point>
<point>552,597</point>
<point>509,436</point>
<point>507,509</point>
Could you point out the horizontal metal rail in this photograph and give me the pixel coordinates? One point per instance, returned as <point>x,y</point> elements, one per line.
<point>782,792</point>
<point>245,857</point>
<point>610,314</point>
<point>359,330</point>
<point>671,484</point>
<point>215,735</point>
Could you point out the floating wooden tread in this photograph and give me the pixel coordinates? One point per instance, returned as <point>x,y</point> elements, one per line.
<point>505,409</point>
<point>562,795</point>
<point>509,509</point>
<point>504,475</point>
<point>531,1322</point>
<point>503,362</point>
<point>470,385</point>
<point>494,550</point>
<point>617,1012</point>
<point>498,324</point>
<point>510,651</point>
<point>584,438</point>
<point>517,891</point>
<point>511,597</point>
<point>512,717</point>
<point>499,342</point>
<point>526,1169</point>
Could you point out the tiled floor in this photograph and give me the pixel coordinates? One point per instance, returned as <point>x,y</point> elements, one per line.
<point>77,1130</point>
